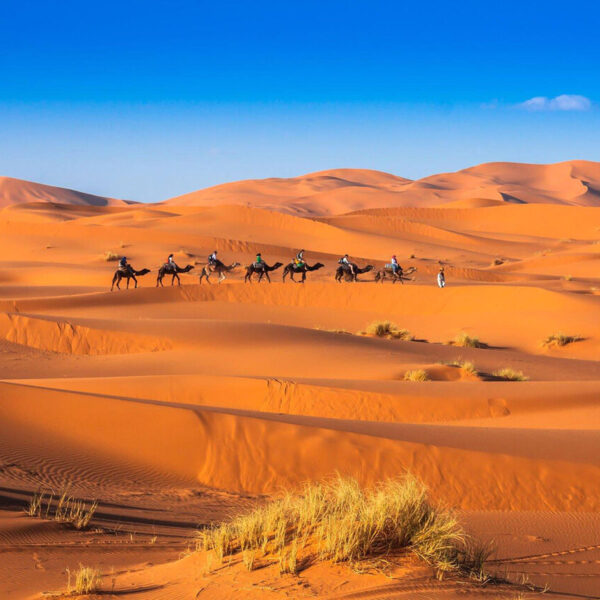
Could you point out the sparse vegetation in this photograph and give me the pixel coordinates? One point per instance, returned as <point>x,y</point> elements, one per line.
<point>87,580</point>
<point>465,340</point>
<point>466,366</point>
<point>416,375</point>
<point>340,522</point>
<point>567,277</point>
<point>110,256</point>
<point>509,374</point>
<point>497,262</point>
<point>387,329</point>
<point>560,339</point>
<point>66,509</point>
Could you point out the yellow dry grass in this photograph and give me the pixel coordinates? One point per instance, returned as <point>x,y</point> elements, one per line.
<point>62,508</point>
<point>87,580</point>
<point>510,374</point>
<point>464,340</point>
<point>560,339</point>
<point>416,375</point>
<point>466,366</point>
<point>387,329</point>
<point>110,256</point>
<point>339,521</point>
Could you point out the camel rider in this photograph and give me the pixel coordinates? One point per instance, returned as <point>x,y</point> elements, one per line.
<point>212,259</point>
<point>260,263</point>
<point>346,264</point>
<point>171,265</point>
<point>394,264</point>
<point>441,278</point>
<point>299,260</point>
<point>123,264</point>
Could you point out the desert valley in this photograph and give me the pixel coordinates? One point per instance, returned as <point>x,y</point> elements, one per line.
<point>176,408</point>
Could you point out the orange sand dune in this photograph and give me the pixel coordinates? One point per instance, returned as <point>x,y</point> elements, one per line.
<point>18,191</point>
<point>178,406</point>
<point>343,190</point>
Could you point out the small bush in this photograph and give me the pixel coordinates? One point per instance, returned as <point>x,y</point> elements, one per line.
<point>416,375</point>
<point>510,374</point>
<point>68,510</point>
<point>497,262</point>
<point>466,341</point>
<point>87,581</point>
<point>110,256</point>
<point>560,339</point>
<point>387,329</point>
<point>340,522</point>
<point>568,277</point>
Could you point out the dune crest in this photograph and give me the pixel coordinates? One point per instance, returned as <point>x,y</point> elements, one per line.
<point>19,191</point>
<point>338,191</point>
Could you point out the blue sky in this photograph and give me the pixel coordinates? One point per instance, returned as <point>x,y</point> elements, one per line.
<point>147,100</point>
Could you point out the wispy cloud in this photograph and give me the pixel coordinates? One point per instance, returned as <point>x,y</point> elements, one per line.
<point>562,102</point>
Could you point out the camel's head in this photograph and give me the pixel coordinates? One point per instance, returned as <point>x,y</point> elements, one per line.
<point>188,268</point>
<point>277,265</point>
<point>142,272</point>
<point>235,264</point>
<point>318,266</point>
<point>368,268</point>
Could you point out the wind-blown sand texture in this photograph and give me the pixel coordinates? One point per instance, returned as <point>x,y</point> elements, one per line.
<point>179,406</point>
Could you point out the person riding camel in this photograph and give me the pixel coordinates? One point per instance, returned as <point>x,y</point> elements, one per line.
<point>394,264</point>
<point>212,259</point>
<point>346,264</point>
<point>123,264</point>
<point>260,263</point>
<point>170,264</point>
<point>299,260</point>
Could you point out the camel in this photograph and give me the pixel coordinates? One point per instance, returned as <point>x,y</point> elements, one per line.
<point>129,274</point>
<point>219,268</point>
<point>251,269</point>
<point>401,276</point>
<point>166,270</point>
<point>345,273</point>
<point>292,268</point>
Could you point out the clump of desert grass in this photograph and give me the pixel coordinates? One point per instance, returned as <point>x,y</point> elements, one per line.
<point>560,339</point>
<point>509,374</point>
<point>338,521</point>
<point>86,580</point>
<point>497,262</point>
<point>110,256</point>
<point>62,508</point>
<point>464,340</point>
<point>466,366</point>
<point>387,329</point>
<point>416,375</point>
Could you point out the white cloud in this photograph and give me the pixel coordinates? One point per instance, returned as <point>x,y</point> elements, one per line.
<point>562,102</point>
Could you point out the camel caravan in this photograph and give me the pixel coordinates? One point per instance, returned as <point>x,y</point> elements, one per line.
<point>346,271</point>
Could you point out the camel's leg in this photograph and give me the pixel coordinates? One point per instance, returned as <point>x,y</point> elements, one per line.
<point>135,280</point>
<point>268,277</point>
<point>112,285</point>
<point>222,276</point>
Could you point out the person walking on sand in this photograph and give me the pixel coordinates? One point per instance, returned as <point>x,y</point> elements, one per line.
<point>441,278</point>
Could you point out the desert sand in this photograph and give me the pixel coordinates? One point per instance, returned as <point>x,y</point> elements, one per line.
<point>176,407</point>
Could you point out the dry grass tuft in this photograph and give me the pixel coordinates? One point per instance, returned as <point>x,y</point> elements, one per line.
<point>87,581</point>
<point>66,509</point>
<point>110,256</point>
<point>416,375</point>
<point>387,329</point>
<point>509,374</point>
<point>560,339</point>
<point>464,340</point>
<point>341,522</point>
<point>466,366</point>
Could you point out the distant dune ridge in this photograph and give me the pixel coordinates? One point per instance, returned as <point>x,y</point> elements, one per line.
<point>18,191</point>
<point>337,191</point>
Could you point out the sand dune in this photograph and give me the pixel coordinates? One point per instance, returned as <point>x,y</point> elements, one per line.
<point>343,190</point>
<point>18,191</point>
<point>179,406</point>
